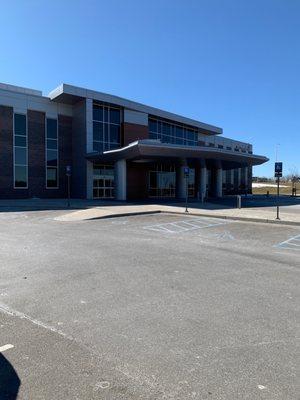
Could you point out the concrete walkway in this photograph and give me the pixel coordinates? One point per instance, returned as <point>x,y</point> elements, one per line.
<point>257,209</point>
<point>288,214</point>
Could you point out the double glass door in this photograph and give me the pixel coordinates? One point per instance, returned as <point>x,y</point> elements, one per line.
<point>103,181</point>
<point>162,181</point>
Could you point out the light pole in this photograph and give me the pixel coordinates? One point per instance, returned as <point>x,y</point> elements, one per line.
<point>278,174</point>
<point>276,151</point>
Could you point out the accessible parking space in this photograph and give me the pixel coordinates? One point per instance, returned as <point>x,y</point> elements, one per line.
<point>292,243</point>
<point>186,225</point>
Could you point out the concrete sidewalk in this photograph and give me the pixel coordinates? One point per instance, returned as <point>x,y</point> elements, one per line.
<point>255,209</point>
<point>288,214</point>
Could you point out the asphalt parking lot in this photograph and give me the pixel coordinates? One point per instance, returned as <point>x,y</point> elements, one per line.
<point>148,307</point>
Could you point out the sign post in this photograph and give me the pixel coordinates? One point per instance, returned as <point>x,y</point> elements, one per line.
<point>278,175</point>
<point>186,174</point>
<point>68,173</point>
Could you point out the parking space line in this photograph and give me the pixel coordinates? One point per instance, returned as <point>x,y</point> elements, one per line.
<point>185,225</point>
<point>292,243</point>
<point>6,347</point>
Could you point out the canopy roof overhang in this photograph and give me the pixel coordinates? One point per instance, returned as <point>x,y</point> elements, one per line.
<point>153,150</point>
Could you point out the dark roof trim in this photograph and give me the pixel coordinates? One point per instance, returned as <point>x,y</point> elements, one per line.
<point>71,94</point>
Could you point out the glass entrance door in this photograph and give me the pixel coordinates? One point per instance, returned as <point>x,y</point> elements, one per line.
<point>191,182</point>
<point>162,181</point>
<point>103,181</point>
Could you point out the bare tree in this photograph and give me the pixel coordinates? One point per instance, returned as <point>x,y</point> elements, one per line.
<point>292,174</point>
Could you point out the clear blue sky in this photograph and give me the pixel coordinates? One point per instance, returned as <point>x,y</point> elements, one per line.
<point>231,63</point>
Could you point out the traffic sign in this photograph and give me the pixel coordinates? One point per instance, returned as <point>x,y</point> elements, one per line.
<point>68,170</point>
<point>278,169</point>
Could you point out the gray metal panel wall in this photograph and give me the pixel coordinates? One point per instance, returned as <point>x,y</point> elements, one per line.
<point>79,164</point>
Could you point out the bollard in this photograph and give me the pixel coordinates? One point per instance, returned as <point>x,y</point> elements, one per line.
<point>239,201</point>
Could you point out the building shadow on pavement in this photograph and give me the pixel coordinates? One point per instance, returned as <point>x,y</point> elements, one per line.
<point>9,380</point>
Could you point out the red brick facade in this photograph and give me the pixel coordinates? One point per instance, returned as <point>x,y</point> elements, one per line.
<point>36,155</point>
<point>133,132</point>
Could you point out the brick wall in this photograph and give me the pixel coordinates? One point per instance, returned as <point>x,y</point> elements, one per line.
<point>36,155</point>
<point>133,132</point>
<point>137,181</point>
<point>6,151</point>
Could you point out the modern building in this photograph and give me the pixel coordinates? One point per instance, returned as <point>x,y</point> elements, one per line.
<point>116,148</point>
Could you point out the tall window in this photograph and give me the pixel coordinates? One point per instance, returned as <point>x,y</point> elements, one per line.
<point>51,154</point>
<point>20,152</point>
<point>172,133</point>
<point>106,127</point>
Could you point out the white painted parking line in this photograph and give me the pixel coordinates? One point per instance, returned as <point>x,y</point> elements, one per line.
<point>6,347</point>
<point>186,225</point>
<point>292,243</point>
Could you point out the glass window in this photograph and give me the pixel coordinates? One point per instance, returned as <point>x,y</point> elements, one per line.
<point>52,158</point>
<point>20,151</point>
<point>106,128</point>
<point>52,144</point>
<point>20,141</point>
<point>52,181</point>
<point>97,113</point>
<point>114,116</point>
<point>20,156</point>
<point>51,153</point>
<point>20,176</point>
<point>166,129</point>
<point>98,131</point>
<point>106,133</point>
<point>106,114</point>
<point>20,124</point>
<point>114,133</point>
<point>179,132</point>
<point>152,125</point>
<point>51,128</point>
<point>153,135</point>
<point>172,133</point>
<point>189,134</point>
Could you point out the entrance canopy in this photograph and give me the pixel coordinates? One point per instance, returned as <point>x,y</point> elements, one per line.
<point>148,150</point>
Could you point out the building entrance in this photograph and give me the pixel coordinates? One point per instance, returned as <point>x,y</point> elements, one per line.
<point>162,181</point>
<point>103,181</point>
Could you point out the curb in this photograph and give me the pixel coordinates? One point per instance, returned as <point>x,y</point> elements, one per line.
<point>128,214</point>
<point>245,219</point>
<point>233,218</point>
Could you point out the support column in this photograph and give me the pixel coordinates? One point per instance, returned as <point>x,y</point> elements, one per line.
<point>181,180</point>
<point>89,125</point>
<point>250,179</point>
<point>89,179</point>
<point>246,179</point>
<point>120,180</point>
<point>239,180</point>
<point>203,182</point>
<point>219,182</point>
<point>232,180</point>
